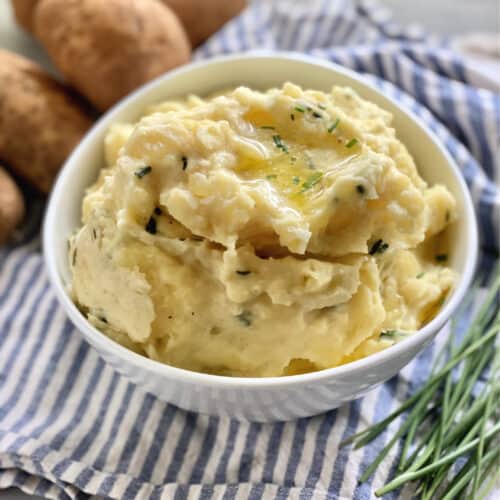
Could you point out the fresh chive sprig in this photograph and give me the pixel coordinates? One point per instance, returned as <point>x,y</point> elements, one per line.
<point>447,418</point>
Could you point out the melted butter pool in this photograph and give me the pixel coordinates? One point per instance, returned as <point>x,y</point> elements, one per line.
<point>298,171</point>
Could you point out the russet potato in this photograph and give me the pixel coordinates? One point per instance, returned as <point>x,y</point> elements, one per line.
<point>40,120</point>
<point>202,18</point>
<point>107,49</point>
<point>11,205</point>
<point>23,10</point>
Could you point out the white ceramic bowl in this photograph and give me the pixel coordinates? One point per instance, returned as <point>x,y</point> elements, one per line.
<point>260,399</point>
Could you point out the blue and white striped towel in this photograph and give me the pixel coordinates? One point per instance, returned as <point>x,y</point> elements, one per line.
<point>71,427</point>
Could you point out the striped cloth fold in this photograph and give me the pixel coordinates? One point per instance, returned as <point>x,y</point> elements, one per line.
<point>71,427</point>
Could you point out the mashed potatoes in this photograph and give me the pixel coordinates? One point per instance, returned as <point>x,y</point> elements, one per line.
<point>261,234</point>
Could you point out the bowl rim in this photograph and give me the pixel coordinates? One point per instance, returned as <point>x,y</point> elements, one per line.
<point>99,340</point>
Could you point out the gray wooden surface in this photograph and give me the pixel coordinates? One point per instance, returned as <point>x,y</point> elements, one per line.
<point>451,17</point>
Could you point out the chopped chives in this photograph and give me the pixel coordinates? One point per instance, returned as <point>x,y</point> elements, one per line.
<point>351,143</point>
<point>333,126</point>
<point>389,334</point>
<point>141,172</point>
<point>311,181</point>
<point>245,317</point>
<point>379,247</point>
<point>151,226</point>
<point>279,144</point>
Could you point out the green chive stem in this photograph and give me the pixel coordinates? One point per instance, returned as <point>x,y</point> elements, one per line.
<point>482,432</point>
<point>489,485</point>
<point>411,476</point>
<point>455,488</point>
<point>460,418</point>
<point>377,429</point>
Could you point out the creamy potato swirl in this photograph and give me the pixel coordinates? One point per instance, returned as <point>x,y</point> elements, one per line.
<point>261,234</point>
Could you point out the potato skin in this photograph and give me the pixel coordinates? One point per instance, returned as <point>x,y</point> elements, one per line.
<point>23,10</point>
<point>202,18</point>
<point>106,49</point>
<point>40,122</point>
<point>11,206</point>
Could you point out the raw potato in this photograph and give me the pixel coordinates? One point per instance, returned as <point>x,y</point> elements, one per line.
<point>23,10</point>
<point>107,49</point>
<point>40,122</point>
<point>202,18</point>
<point>11,206</point>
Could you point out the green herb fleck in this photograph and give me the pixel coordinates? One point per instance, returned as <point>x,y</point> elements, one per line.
<point>292,117</point>
<point>299,109</point>
<point>271,176</point>
<point>317,115</point>
<point>151,225</point>
<point>389,334</point>
<point>143,171</point>
<point>379,247</point>
<point>245,317</point>
<point>393,335</point>
<point>351,143</point>
<point>215,330</point>
<point>243,273</point>
<point>158,211</point>
<point>279,144</point>
<point>360,189</point>
<point>321,106</point>
<point>420,275</point>
<point>441,257</point>
<point>311,181</point>
<point>102,319</point>
<point>73,260</point>
<point>184,162</point>
<point>333,126</point>
<point>267,127</point>
<point>94,234</point>
<point>296,180</point>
